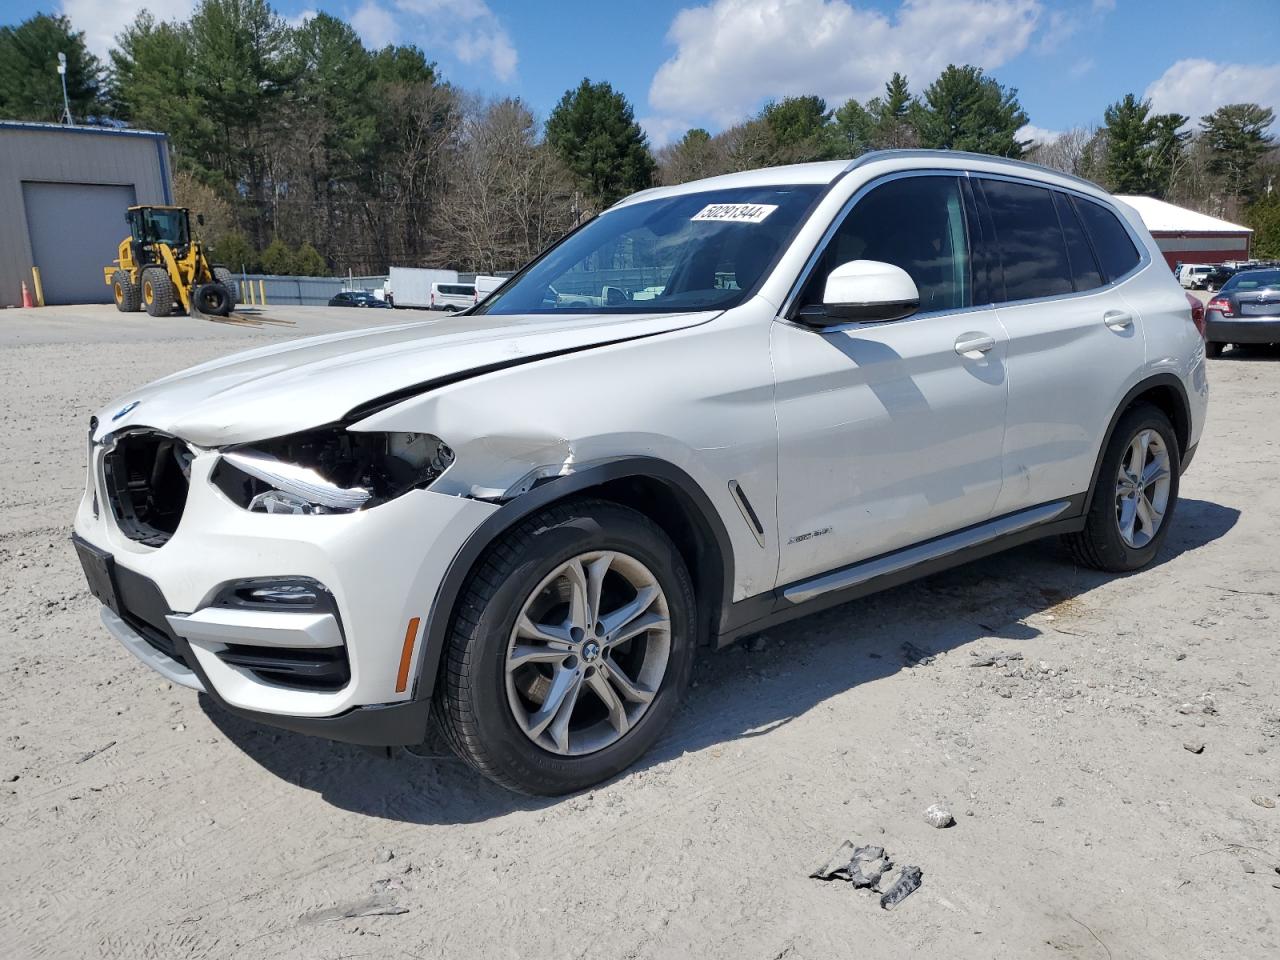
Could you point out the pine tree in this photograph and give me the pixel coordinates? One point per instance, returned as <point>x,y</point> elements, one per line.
<point>30,88</point>
<point>594,131</point>
<point>1237,138</point>
<point>966,110</point>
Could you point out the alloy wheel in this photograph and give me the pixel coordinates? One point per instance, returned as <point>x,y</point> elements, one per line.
<point>588,653</point>
<point>1143,482</point>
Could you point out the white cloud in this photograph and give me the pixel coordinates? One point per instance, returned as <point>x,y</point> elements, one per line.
<point>472,31</point>
<point>301,17</point>
<point>663,130</point>
<point>375,24</point>
<point>101,20</point>
<point>1081,67</point>
<point>494,46</point>
<point>732,54</point>
<point>1197,87</point>
<point>1103,6</point>
<point>1060,28</point>
<point>1037,134</point>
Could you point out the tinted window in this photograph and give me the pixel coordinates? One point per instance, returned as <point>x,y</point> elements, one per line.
<point>1084,269</point>
<point>916,223</point>
<point>1116,253</point>
<point>1032,247</point>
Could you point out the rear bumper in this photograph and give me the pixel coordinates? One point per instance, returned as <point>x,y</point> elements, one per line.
<point>1256,330</point>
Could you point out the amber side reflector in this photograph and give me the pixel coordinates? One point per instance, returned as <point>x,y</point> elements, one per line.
<point>406,655</point>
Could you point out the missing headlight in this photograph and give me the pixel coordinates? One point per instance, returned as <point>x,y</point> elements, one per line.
<point>329,470</point>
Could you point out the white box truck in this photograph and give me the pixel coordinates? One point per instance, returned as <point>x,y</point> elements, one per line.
<point>411,286</point>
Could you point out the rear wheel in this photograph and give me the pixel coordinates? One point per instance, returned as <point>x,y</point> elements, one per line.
<point>1213,349</point>
<point>127,294</point>
<point>157,292</point>
<point>570,648</point>
<point>1135,494</point>
<point>224,276</point>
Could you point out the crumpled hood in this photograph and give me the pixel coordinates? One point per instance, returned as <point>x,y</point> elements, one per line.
<point>286,387</point>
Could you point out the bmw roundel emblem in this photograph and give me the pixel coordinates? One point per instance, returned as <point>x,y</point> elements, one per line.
<point>125,410</point>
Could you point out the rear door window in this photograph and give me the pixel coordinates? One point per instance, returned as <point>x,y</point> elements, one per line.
<point>1032,247</point>
<point>1116,253</point>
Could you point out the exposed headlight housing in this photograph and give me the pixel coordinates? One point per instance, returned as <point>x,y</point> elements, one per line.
<point>329,470</point>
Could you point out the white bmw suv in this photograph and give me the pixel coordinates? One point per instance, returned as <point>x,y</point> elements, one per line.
<point>715,407</point>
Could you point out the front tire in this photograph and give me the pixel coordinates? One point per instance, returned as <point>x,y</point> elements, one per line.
<point>157,292</point>
<point>127,294</point>
<point>1134,496</point>
<point>570,648</point>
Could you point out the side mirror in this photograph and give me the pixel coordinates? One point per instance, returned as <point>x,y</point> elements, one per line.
<point>865,291</point>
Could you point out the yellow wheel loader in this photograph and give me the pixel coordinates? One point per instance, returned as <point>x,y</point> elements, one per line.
<point>161,266</point>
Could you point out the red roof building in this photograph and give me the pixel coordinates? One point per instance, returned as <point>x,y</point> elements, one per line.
<point>1185,236</point>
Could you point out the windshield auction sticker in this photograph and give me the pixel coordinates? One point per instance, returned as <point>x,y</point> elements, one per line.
<point>735,212</point>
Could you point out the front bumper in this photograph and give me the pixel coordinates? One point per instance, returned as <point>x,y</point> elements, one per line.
<point>378,725</point>
<point>1218,329</point>
<point>382,567</point>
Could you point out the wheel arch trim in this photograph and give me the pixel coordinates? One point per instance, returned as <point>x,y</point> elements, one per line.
<point>1157,381</point>
<point>435,631</point>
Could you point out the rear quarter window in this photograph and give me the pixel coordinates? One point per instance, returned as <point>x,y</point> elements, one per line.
<point>1084,268</point>
<point>1116,253</point>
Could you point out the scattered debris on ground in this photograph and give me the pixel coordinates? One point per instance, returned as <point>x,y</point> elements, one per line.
<point>913,656</point>
<point>93,753</point>
<point>939,815</point>
<point>996,659</point>
<point>865,867</point>
<point>908,882</point>
<point>1194,746</point>
<point>378,905</point>
<point>861,866</point>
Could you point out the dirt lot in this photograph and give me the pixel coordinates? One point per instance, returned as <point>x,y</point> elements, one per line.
<point>136,820</point>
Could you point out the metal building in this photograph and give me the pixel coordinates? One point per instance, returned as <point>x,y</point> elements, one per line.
<point>1185,236</point>
<point>63,195</point>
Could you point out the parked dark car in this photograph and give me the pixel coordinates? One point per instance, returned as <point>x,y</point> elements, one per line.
<point>357,298</point>
<point>1245,311</point>
<point>1219,275</point>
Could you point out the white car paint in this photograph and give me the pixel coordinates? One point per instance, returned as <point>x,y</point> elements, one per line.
<point>850,442</point>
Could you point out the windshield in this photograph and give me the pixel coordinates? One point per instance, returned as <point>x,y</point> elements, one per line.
<point>1252,280</point>
<point>699,251</point>
<point>164,226</point>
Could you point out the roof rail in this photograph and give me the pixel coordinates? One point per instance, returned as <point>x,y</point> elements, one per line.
<point>920,154</point>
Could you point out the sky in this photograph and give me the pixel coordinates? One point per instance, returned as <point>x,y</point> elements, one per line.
<point>684,63</point>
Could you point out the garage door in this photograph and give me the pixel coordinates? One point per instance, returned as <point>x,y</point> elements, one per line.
<point>75,230</point>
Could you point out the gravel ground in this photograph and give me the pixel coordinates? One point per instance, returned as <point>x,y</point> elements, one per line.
<point>137,820</point>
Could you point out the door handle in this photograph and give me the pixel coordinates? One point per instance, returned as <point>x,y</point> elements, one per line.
<point>1118,319</point>
<point>969,344</point>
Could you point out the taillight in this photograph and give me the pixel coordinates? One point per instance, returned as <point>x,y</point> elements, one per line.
<point>1197,313</point>
<point>1222,304</point>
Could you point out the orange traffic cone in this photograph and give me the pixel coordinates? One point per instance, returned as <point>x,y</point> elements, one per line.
<point>26,296</point>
